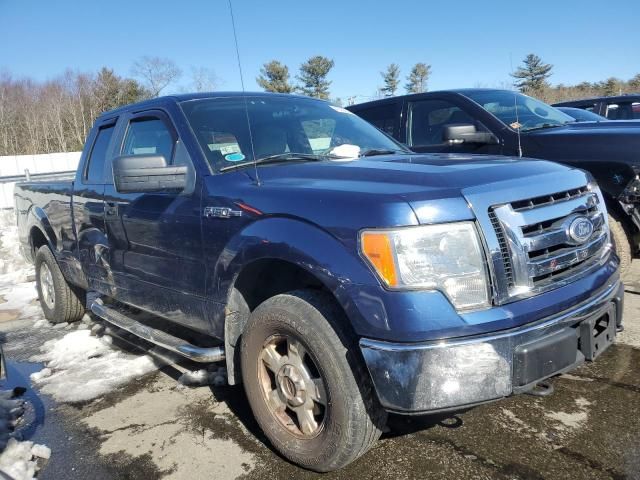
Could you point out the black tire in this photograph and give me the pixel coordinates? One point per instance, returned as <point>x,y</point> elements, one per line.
<point>621,240</point>
<point>60,301</point>
<point>352,420</point>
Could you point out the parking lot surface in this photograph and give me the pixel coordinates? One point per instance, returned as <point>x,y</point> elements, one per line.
<point>155,427</point>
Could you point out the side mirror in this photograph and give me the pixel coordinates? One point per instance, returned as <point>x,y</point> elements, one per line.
<point>467,133</point>
<point>148,173</point>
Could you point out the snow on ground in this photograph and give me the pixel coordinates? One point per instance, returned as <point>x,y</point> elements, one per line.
<point>19,459</point>
<point>17,289</point>
<point>82,367</point>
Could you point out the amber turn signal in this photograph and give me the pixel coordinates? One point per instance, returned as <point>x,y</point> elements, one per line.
<point>376,247</point>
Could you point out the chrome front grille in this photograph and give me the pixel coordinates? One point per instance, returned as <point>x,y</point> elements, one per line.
<point>536,242</point>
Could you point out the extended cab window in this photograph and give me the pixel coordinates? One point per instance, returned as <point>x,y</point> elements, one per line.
<point>94,174</point>
<point>427,119</point>
<point>623,111</point>
<point>148,136</point>
<point>384,117</point>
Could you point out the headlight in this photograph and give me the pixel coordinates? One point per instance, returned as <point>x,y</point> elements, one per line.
<point>446,257</point>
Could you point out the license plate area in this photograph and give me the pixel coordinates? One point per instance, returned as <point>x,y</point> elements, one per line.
<point>596,334</point>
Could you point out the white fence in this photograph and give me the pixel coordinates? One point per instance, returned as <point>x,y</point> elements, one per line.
<point>13,166</point>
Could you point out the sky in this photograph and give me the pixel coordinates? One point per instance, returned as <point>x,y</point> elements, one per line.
<point>467,43</point>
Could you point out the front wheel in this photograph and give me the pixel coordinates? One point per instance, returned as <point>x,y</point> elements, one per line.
<point>621,240</point>
<point>306,385</point>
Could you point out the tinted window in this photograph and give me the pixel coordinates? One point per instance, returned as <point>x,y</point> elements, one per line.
<point>95,170</point>
<point>428,118</point>
<point>383,117</point>
<point>148,136</point>
<point>623,111</point>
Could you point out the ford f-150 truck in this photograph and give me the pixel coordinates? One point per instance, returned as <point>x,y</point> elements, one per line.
<point>339,275</point>
<point>503,122</point>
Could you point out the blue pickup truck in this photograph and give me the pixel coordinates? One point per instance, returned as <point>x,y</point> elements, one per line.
<point>338,274</point>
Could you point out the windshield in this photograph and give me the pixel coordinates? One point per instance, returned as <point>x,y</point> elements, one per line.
<point>280,125</point>
<point>530,114</point>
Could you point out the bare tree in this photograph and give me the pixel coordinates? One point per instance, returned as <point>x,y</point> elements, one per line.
<point>156,72</point>
<point>203,79</point>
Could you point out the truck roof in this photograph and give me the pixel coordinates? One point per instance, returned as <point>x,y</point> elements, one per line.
<point>628,97</point>
<point>461,91</point>
<point>193,96</point>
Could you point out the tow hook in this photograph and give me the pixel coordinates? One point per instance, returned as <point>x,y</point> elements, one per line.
<point>541,389</point>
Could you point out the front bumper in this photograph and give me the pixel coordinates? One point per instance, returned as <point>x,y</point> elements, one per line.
<point>456,373</point>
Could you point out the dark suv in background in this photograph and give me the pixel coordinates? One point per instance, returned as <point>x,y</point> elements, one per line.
<point>621,107</point>
<point>503,122</point>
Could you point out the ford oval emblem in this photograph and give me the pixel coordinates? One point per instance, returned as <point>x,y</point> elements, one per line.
<point>580,230</point>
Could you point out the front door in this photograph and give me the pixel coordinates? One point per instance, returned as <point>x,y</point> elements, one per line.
<point>426,120</point>
<point>155,239</point>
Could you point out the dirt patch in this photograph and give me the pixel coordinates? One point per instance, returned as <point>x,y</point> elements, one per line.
<point>175,428</point>
<point>9,315</point>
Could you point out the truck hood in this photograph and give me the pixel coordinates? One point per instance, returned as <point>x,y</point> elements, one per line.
<point>620,138</point>
<point>436,181</point>
<point>609,150</point>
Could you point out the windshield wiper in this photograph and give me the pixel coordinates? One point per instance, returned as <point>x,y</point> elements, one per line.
<point>372,152</point>
<point>546,125</point>
<point>279,157</point>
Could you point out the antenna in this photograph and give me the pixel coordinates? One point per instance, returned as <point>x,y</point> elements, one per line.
<point>515,104</point>
<point>244,96</point>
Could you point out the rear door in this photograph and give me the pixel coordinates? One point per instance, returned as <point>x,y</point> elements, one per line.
<point>385,116</point>
<point>88,207</point>
<point>155,239</point>
<point>426,120</point>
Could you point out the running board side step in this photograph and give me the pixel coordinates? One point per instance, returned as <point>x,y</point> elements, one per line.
<point>158,337</point>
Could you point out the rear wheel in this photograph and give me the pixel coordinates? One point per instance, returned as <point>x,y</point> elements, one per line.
<point>60,301</point>
<point>621,240</point>
<point>306,385</point>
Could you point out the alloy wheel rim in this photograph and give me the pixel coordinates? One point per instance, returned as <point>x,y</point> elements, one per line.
<point>292,386</point>
<point>46,286</point>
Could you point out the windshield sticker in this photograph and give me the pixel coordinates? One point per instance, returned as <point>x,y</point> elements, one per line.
<point>515,125</point>
<point>341,110</point>
<point>234,157</point>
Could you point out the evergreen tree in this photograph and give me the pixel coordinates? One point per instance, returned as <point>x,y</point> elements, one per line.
<point>313,76</point>
<point>418,78</point>
<point>274,77</point>
<point>391,79</point>
<point>112,91</point>
<point>533,75</point>
<point>611,86</point>
<point>634,83</point>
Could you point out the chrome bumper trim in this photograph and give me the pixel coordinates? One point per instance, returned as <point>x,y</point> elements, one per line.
<point>445,374</point>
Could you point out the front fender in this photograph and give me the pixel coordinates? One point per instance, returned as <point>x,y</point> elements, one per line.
<point>294,241</point>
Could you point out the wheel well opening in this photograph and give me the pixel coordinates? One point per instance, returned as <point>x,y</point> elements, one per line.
<point>264,279</point>
<point>256,283</point>
<point>37,239</point>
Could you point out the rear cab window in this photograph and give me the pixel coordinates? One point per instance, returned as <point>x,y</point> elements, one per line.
<point>623,111</point>
<point>94,171</point>
<point>385,117</point>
